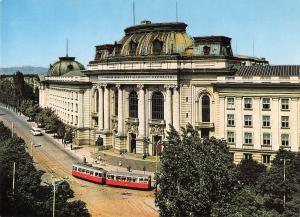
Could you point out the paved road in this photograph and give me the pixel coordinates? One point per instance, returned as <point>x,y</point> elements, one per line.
<point>101,200</point>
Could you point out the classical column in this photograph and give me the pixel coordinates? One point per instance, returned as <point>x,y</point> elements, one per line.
<point>120,111</point>
<point>80,109</point>
<point>141,110</point>
<point>168,113</point>
<point>176,112</point>
<point>106,108</point>
<point>100,110</point>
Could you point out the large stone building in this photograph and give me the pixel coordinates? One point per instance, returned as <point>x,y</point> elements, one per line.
<point>158,75</point>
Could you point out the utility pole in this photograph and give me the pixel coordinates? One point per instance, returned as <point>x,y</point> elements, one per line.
<point>13,183</point>
<point>53,207</point>
<point>176,12</point>
<point>31,144</point>
<point>133,12</point>
<point>12,129</point>
<point>284,175</point>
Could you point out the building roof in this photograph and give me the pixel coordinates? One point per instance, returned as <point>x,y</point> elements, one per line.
<point>269,70</point>
<point>64,65</point>
<point>73,73</point>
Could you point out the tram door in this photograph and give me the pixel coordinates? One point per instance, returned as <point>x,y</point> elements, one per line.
<point>132,143</point>
<point>157,140</point>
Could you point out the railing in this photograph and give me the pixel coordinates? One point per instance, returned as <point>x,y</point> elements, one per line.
<point>132,120</point>
<point>258,79</point>
<point>204,125</point>
<point>157,122</point>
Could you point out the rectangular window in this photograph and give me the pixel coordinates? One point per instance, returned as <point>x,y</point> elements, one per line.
<point>230,137</point>
<point>247,156</point>
<point>248,138</point>
<point>266,139</point>
<point>248,120</point>
<point>266,121</point>
<point>284,104</point>
<point>248,103</point>
<point>230,119</point>
<point>230,103</point>
<point>266,159</point>
<point>285,121</point>
<point>266,103</point>
<point>285,139</point>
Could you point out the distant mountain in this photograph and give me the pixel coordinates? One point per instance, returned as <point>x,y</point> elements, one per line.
<point>24,70</point>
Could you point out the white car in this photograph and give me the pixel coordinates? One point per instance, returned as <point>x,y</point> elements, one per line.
<point>36,131</point>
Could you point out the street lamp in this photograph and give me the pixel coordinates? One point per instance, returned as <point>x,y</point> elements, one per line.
<point>284,163</point>
<point>54,191</point>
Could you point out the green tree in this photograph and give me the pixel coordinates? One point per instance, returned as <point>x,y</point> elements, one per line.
<point>274,188</point>
<point>197,177</point>
<point>249,171</point>
<point>248,203</point>
<point>69,134</point>
<point>30,197</point>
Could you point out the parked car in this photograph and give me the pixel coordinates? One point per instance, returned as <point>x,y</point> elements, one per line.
<point>35,131</point>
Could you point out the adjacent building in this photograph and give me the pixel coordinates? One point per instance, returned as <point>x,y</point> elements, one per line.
<point>158,75</point>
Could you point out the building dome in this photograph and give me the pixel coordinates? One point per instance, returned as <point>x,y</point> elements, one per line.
<point>147,39</point>
<point>156,38</point>
<point>64,65</point>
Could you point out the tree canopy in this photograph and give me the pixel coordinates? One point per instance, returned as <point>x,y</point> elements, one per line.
<point>30,198</point>
<point>198,178</point>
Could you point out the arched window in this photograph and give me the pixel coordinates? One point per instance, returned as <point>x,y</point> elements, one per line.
<point>116,102</point>
<point>157,105</point>
<point>133,105</point>
<point>205,109</point>
<point>132,48</point>
<point>157,46</point>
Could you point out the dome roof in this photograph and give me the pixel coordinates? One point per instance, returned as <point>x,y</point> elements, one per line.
<point>64,65</point>
<point>157,38</point>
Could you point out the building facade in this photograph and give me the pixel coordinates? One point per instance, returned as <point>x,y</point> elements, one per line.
<point>158,75</point>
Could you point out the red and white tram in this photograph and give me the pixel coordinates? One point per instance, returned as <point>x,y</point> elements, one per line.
<point>113,178</point>
<point>88,172</point>
<point>128,180</point>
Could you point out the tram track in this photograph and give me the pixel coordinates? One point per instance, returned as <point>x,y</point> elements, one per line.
<point>100,200</point>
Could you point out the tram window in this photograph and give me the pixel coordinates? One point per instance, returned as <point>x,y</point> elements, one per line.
<point>129,179</point>
<point>141,179</point>
<point>96,174</point>
<point>75,168</point>
<point>92,173</point>
<point>83,170</point>
<point>145,180</point>
<point>79,169</point>
<point>112,177</point>
<point>134,179</point>
<point>118,177</point>
<point>100,174</point>
<point>123,178</point>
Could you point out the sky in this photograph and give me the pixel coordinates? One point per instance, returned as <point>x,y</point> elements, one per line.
<point>34,32</point>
